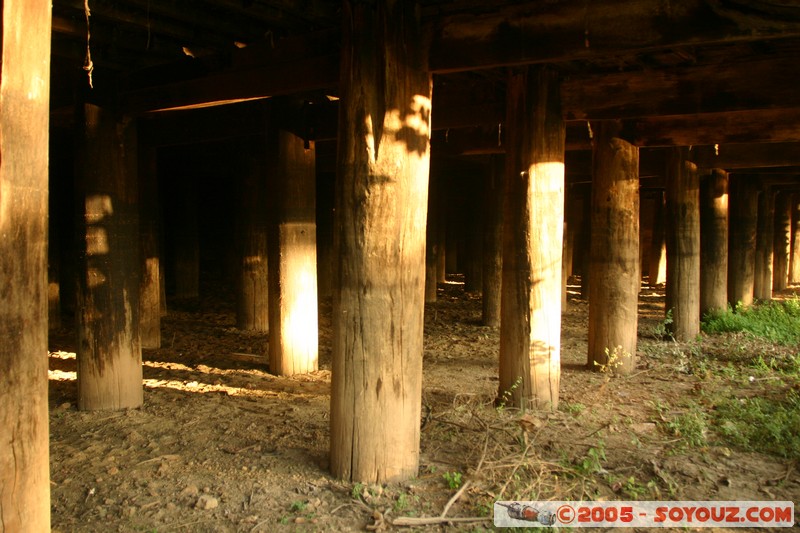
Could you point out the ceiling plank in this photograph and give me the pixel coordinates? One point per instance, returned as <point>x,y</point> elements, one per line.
<point>747,155</point>
<point>553,31</point>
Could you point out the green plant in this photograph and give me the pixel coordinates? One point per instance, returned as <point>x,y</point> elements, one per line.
<point>691,427</point>
<point>592,462</point>
<point>298,506</point>
<point>761,424</point>
<point>506,396</point>
<point>575,409</point>
<point>453,479</point>
<point>775,321</point>
<point>356,491</point>
<point>663,330</point>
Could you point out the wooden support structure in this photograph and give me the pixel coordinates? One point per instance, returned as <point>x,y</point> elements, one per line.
<point>493,197</point>
<point>185,223</point>
<point>379,246</point>
<point>794,267</point>
<point>473,235</point>
<point>325,200</point>
<point>24,116</point>
<point>252,291</point>
<point>782,240</point>
<point>683,245</point>
<point>713,241</point>
<point>150,234</point>
<point>762,286</point>
<point>109,350</point>
<point>657,264</point>
<point>292,245</point>
<point>530,329</point>
<point>742,239</point>
<point>614,261</point>
<point>431,244</point>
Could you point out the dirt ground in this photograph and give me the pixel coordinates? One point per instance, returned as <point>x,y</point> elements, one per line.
<point>222,445</point>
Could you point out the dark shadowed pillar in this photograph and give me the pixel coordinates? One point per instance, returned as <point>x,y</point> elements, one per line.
<point>493,241</point>
<point>762,286</point>
<point>109,350</point>
<point>742,241</point>
<point>783,238</point>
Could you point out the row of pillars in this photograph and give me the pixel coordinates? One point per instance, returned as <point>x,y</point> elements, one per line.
<point>378,255</point>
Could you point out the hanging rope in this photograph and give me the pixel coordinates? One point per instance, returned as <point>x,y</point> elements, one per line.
<point>88,65</point>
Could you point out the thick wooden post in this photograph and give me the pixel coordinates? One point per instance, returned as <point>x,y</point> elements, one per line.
<point>325,201</point>
<point>186,240</point>
<point>292,243</point>
<point>530,329</point>
<point>432,246</point>
<point>657,265</point>
<point>150,231</point>
<point>683,245</point>
<point>252,302</point>
<point>762,288</point>
<point>24,119</point>
<point>742,242</point>
<point>585,241</point>
<point>493,198</point>
<point>379,244</point>
<point>714,241</point>
<point>614,262</point>
<point>473,242</point>
<point>109,350</point>
<point>794,266</point>
<point>783,237</point>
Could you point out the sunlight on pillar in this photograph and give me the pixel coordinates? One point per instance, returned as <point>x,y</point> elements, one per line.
<point>300,329</point>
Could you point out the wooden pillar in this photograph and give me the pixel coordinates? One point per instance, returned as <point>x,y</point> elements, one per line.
<point>614,263</point>
<point>794,264</point>
<point>24,116</point>
<point>294,331</point>
<point>441,239</point>
<point>742,241</point>
<point>186,242</point>
<point>252,294</point>
<point>657,271</point>
<point>585,240</point>
<point>714,241</point>
<point>493,241</point>
<point>782,243</point>
<point>762,287</point>
<point>381,199</point>
<point>431,243</point>
<point>109,351</point>
<point>473,242</point>
<point>530,329</point>
<point>150,232</point>
<point>683,245</point>
<point>325,199</point>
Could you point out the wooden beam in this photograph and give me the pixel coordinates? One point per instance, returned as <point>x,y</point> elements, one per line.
<point>747,155</point>
<point>712,88</point>
<point>543,32</point>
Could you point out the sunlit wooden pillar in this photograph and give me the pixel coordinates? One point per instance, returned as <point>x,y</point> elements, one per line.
<point>294,331</point>
<point>782,242</point>
<point>742,239</point>
<point>530,329</point>
<point>614,262</point>
<point>713,241</point>
<point>24,117</point>
<point>794,264</point>
<point>682,233</point>
<point>150,232</point>
<point>493,198</point>
<point>252,294</point>
<point>109,350</point>
<point>381,207</point>
<point>762,287</point>
<point>657,264</point>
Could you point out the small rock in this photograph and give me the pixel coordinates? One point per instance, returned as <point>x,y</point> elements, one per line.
<point>207,502</point>
<point>190,490</point>
<point>112,471</point>
<point>171,506</point>
<point>65,406</point>
<point>299,520</point>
